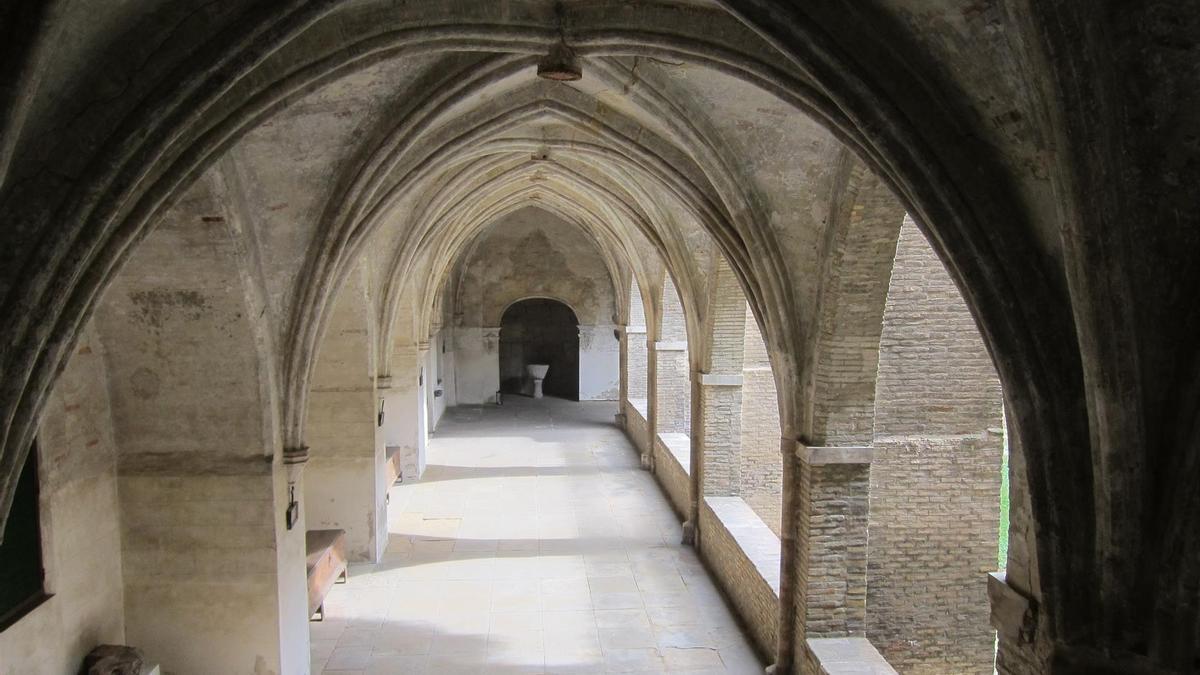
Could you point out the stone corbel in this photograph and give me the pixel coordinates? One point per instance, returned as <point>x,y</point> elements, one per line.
<point>1014,615</point>
<point>383,382</point>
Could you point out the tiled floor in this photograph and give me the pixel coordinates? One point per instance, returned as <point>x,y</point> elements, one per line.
<point>532,544</point>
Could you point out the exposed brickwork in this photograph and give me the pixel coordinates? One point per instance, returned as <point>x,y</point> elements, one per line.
<point>852,305</point>
<point>674,400</point>
<point>727,312</point>
<point>638,369</point>
<point>746,577</point>
<point>722,405</point>
<point>761,474</point>
<point>635,423</point>
<point>674,392</point>
<point>837,536</point>
<point>935,483</point>
<point>672,458</point>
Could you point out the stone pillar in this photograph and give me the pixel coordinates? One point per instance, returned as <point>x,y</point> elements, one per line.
<point>839,481</point>
<point>691,526</point>
<point>344,487</point>
<point>623,368</point>
<point>651,404</point>
<point>793,552</point>
<point>425,386</point>
<point>401,395</point>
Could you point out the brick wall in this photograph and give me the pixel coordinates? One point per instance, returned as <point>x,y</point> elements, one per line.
<point>671,461</point>
<point>636,339</point>
<point>722,405</point>
<point>761,472</point>
<point>935,482</point>
<point>673,371</point>
<point>635,423</point>
<point>751,585</point>
<point>674,391</point>
<point>837,535</point>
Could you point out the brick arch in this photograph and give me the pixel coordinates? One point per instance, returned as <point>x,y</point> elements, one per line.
<point>726,324</point>
<point>865,223</point>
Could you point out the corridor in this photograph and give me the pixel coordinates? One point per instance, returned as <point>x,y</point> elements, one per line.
<point>533,543</point>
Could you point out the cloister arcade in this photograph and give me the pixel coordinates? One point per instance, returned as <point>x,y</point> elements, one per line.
<point>837,272</point>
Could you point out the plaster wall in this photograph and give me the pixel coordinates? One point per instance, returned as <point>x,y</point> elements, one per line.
<point>599,362</point>
<point>441,384</point>
<point>201,570</point>
<point>477,364</point>
<point>404,405</point>
<point>205,558</point>
<point>81,536</point>
<point>344,474</point>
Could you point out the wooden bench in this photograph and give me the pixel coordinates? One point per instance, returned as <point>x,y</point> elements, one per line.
<point>326,552</point>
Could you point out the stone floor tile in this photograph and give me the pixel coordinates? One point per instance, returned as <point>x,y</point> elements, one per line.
<point>534,543</point>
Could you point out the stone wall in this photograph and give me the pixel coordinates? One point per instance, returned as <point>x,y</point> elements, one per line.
<point>213,581</point>
<point>343,478</point>
<point>81,536</point>
<point>935,482</point>
<point>639,365</point>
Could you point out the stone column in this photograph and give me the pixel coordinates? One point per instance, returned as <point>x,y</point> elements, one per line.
<point>839,481</point>
<point>651,403</point>
<point>691,527</point>
<point>623,367</point>
<point>793,550</point>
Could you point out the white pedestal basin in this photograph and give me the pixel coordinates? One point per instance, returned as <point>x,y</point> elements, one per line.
<point>538,372</point>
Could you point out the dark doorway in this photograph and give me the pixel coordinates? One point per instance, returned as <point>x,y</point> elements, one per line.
<point>540,331</point>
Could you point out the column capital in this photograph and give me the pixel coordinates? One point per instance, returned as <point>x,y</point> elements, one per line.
<point>295,455</point>
<point>383,382</point>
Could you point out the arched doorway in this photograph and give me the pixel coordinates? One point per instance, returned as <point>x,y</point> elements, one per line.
<point>540,330</point>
